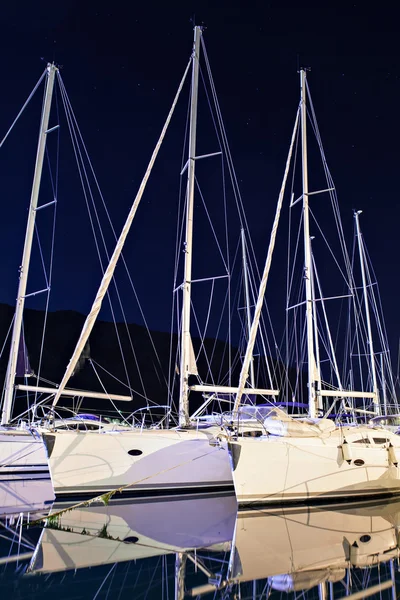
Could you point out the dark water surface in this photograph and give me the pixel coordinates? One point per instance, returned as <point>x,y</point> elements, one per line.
<point>201,548</point>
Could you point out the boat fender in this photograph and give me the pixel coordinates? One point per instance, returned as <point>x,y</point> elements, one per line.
<point>346,452</point>
<point>234,453</point>
<point>49,441</point>
<point>354,553</point>
<point>392,455</point>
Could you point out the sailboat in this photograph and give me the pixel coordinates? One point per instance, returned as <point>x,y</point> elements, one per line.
<point>23,458</point>
<point>311,459</point>
<point>389,417</point>
<point>89,461</point>
<point>24,474</point>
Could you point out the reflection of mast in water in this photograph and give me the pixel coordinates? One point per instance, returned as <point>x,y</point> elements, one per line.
<point>180,572</point>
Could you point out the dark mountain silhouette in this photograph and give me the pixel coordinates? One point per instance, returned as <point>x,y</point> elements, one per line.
<point>147,366</point>
<point>146,370</point>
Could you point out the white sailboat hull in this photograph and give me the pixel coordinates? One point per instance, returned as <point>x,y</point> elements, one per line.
<point>25,483</point>
<point>278,470</point>
<point>22,456</point>
<point>144,463</point>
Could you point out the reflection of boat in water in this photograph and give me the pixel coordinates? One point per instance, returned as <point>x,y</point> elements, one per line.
<point>121,531</point>
<point>281,550</point>
<point>298,549</point>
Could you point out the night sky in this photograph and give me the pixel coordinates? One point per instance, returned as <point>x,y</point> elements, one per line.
<point>121,64</point>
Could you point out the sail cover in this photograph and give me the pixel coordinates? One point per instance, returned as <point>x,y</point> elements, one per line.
<point>192,360</point>
<point>23,367</point>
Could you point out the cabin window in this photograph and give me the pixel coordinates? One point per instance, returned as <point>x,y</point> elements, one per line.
<point>78,427</point>
<point>252,433</point>
<point>87,427</point>
<point>362,441</point>
<point>382,422</point>
<point>386,421</point>
<point>380,440</point>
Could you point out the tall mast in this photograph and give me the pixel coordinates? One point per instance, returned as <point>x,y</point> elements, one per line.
<point>247,301</point>
<point>23,277</point>
<point>187,281</point>
<point>367,315</point>
<point>312,397</point>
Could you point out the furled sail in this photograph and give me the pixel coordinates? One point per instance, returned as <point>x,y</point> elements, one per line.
<point>317,375</point>
<point>23,366</point>
<point>192,360</point>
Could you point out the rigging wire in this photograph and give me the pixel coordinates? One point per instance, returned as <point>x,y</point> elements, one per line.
<point>178,245</point>
<point>24,106</point>
<point>89,200</point>
<point>54,187</point>
<point>117,250</point>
